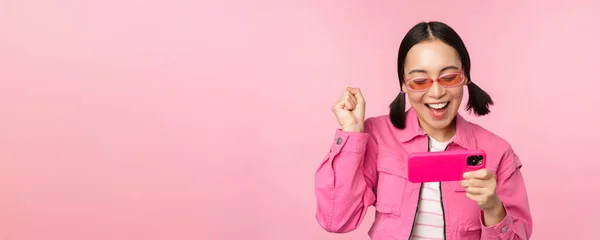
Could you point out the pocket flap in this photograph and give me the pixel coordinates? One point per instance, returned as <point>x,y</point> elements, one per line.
<point>392,164</point>
<point>455,185</point>
<point>387,208</point>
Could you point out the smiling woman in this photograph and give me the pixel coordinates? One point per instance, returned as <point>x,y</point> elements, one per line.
<point>435,49</point>
<point>367,163</point>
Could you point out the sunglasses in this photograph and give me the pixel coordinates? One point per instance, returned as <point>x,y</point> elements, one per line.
<point>418,84</point>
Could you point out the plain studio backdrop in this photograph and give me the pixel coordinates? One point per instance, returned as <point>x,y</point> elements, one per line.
<point>147,119</point>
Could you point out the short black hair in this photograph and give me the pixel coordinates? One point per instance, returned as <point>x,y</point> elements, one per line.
<point>479,100</point>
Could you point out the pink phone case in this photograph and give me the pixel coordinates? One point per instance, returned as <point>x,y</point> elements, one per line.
<point>443,166</point>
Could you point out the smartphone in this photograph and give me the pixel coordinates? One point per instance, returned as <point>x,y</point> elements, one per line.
<point>443,166</point>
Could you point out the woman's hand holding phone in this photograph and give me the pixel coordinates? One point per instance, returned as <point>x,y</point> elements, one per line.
<point>481,188</point>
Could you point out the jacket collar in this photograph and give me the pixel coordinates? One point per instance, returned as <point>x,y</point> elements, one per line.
<point>463,137</point>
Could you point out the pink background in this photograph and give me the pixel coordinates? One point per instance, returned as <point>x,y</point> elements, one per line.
<point>207,119</point>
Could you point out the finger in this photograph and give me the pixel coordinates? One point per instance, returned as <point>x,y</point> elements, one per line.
<point>340,104</point>
<point>473,182</point>
<point>353,100</point>
<point>358,94</point>
<point>348,105</point>
<point>348,94</point>
<point>464,183</point>
<point>479,174</point>
<point>349,91</point>
<point>475,190</point>
<point>473,196</point>
<point>487,174</point>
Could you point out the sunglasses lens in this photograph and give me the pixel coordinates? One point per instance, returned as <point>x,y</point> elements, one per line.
<point>451,80</point>
<point>420,83</point>
<point>448,80</point>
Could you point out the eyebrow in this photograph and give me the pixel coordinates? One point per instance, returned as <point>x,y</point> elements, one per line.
<point>424,71</point>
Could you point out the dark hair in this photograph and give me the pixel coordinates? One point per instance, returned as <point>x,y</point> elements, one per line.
<point>479,100</point>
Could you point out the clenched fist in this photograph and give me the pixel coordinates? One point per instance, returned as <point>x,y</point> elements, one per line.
<point>349,110</point>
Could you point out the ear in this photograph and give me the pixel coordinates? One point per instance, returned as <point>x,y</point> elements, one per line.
<point>403,87</point>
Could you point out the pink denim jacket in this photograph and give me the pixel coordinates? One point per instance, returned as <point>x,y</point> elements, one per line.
<point>364,169</point>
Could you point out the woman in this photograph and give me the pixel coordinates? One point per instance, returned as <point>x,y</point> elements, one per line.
<point>367,161</point>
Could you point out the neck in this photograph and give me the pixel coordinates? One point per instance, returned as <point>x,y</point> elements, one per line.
<point>440,135</point>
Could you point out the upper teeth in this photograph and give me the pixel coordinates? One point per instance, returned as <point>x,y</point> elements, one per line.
<point>438,105</point>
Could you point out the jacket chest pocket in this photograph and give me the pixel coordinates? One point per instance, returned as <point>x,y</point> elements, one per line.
<point>391,183</point>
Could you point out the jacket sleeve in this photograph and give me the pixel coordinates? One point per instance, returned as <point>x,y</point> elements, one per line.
<point>510,188</point>
<point>345,181</point>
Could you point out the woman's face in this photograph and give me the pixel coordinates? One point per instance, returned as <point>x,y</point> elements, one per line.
<point>437,105</point>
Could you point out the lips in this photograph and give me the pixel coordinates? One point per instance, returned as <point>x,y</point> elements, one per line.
<point>438,110</point>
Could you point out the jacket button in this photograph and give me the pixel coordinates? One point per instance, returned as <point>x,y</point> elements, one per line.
<point>504,229</point>
<point>339,141</point>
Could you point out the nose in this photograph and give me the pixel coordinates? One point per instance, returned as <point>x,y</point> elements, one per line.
<point>436,90</point>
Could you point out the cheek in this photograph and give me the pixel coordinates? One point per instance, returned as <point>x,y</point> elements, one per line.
<point>457,95</point>
<point>415,98</point>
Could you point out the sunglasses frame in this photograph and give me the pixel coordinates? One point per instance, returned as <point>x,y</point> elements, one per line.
<point>460,73</point>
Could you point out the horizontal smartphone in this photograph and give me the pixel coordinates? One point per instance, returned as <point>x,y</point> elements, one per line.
<point>443,166</point>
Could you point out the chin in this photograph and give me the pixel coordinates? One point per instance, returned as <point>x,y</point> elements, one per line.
<point>439,123</point>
